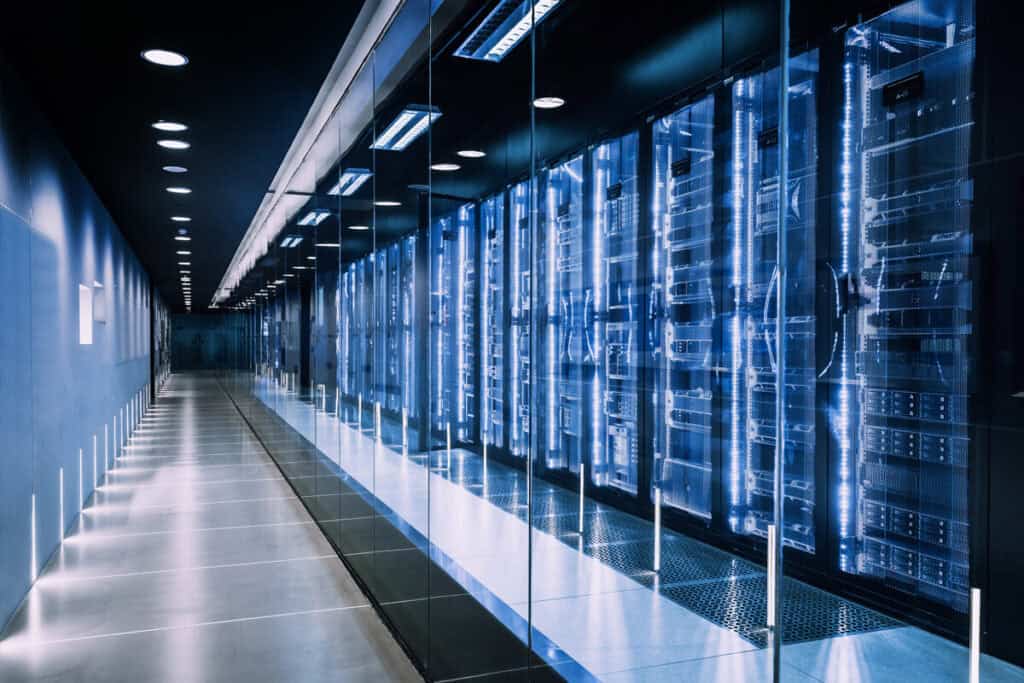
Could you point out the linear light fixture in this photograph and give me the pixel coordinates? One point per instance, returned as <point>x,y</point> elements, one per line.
<point>506,25</point>
<point>351,180</point>
<point>315,217</point>
<point>291,241</point>
<point>328,245</point>
<point>410,123</point>
<point>182,238</point>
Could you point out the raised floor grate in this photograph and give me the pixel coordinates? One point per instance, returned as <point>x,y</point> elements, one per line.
<point>807,613</point>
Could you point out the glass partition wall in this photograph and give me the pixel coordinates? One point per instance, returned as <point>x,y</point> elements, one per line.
<point>591,330</point>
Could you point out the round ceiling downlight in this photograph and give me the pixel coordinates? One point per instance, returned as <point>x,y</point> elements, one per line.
<point>165,58</point>
<point>445,168</point>
<point>548,102</point>
<point>179,190</point>
<point>175,169</point>
<point>170,126</point>
<point>471,153</point>
<point>173,144</point>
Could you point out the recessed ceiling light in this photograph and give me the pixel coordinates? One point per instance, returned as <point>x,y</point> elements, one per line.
<point>445,167</point>
<point>289,274</point>
<point>328,245</point>
<point>471,153</point>
<point>170,126</point>
<point>311,258</point>
<point>387,203</point>
<point>182,238</point>
<point>184,253</point>
<point>173,144</point>
<point>179,190</point>
<point>180,219</point>
<point>165,58</point>
<point>184,263</point>
<point>175,169</point>
<point>182,231</point>
<point>548,102</point>
<point>359,227</point>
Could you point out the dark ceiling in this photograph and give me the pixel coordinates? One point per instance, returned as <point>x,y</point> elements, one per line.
<point>252,76</point>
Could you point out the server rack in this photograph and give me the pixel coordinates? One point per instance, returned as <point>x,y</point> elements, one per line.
<point>393,361</point>
<point>453,317</point>
<point>560,256</point>
<point>612,310</point>
<point>905,222</point>
<point>407,326</point>
<point>755,106</point>
<point>519,323</point>
<point>492,320</point>
<point>682,310</point>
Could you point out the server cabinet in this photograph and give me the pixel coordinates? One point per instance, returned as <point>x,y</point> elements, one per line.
<point>755,154</point>
<point>492,320</point>
<point>391,296</point>
<point>613,304</point>
<point>560,257</point>
<point>380,303</point>
<point>348,342</point>
<point>682,312</point>
<point>407,384</point>
<point>905,224</point>
<point>520,313</point>
<point>453,318</point>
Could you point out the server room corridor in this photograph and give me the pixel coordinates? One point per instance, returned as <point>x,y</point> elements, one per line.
<point>194,561</point>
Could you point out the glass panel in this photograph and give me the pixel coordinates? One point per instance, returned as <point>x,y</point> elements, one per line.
<point>902,315</point>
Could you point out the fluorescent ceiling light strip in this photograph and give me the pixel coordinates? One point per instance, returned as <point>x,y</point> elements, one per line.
<point>392,131</point>
<point>351,180</point>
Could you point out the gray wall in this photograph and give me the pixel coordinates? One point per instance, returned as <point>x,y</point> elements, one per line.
<point>55,393</point>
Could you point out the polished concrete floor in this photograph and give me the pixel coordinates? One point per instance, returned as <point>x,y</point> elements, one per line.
<point>196,562</point>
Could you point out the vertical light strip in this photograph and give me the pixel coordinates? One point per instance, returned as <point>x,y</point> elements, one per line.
<point>486,219</point>
<point>460,323</point>
<point>60,480</point>
<point>33,559</point>
<point>657,529</point>
<point>81,499</point>
<point>95,473</point>
<point>553,329</point>
<point>600,183</point>
<point>517,330</point>
<point>845,493</point>
<point>974,675</point>
<point>583,473</point>
<point>772,578</point>
<point>737,281</point>
<point>106,448</point>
